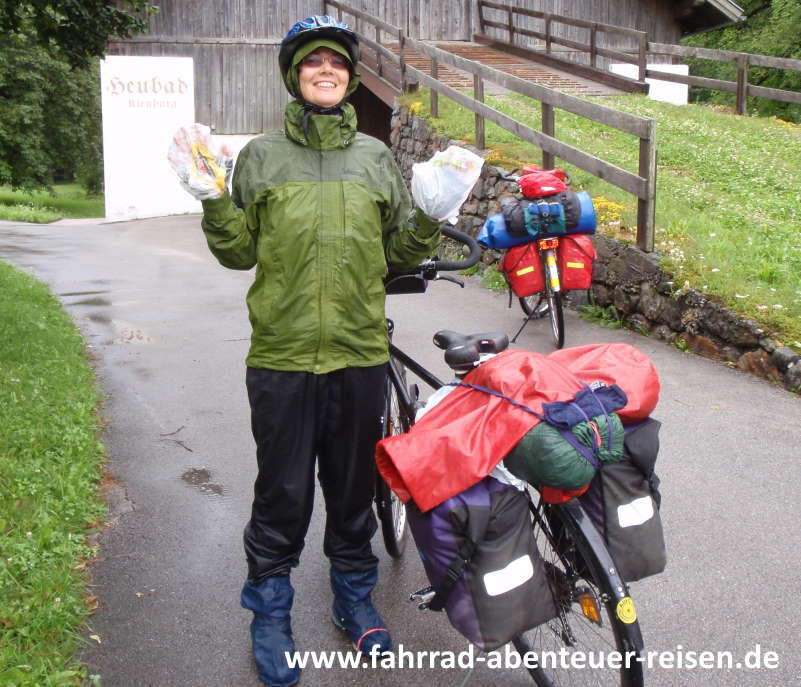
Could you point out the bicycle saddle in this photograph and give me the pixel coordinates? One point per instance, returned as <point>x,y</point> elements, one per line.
<point>462,351</point>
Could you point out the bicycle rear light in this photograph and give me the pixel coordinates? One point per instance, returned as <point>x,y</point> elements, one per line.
<point>545,244</point>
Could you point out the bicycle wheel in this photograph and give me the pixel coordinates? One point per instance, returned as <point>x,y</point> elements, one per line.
<point>534,305</point>
<point>391,510</point>
<point>581,645</point>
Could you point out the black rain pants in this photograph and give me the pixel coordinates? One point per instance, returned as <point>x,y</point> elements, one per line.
<point>299,418</point>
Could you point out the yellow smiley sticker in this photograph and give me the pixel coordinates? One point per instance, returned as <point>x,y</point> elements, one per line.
<point>625,610</point>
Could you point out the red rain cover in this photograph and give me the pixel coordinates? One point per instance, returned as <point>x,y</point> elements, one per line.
<point>460,441</point>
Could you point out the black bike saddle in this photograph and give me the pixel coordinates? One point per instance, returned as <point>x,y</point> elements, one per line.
<point>462,351</point>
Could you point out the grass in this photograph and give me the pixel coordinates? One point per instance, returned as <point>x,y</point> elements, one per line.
<point>50,461</point>
<point>67,200</point>
<point>728,199</point>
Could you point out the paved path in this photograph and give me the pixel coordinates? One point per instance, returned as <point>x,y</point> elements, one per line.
<point>169,331</point>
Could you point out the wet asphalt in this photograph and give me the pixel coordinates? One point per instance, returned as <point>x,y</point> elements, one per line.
<point>168,332</point>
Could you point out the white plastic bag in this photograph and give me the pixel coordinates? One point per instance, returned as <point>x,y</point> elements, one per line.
<point>203,166</point>
<point>441,185</point>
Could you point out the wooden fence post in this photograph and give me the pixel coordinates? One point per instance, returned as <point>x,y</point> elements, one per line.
<point>511,26</point>
<point>478,94</point>
<point>549,129</point>
<point>742,83</point>
<point>642,56</point>
<point>378,57</point>
<point>646,207</point>
<point>481,26</point>
<point>402,45</point>
<point>548,35</point>
<point>434,100</point>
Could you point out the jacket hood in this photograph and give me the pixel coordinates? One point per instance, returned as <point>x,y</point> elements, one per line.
<point>291,77</point>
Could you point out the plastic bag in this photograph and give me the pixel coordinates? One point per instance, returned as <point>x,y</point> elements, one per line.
<point>441,185</point>
<point>203,166</point>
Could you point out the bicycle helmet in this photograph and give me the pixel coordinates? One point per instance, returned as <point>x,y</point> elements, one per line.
<point>317,27</point>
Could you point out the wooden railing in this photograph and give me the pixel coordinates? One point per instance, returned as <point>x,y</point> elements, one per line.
<point>547,35</point>
<point>741,88</point>
<point>642,184</point>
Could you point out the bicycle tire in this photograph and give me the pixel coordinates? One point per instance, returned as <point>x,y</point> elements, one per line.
<point>391,510</point>
<point>575,571</point>
<point>556,315</point>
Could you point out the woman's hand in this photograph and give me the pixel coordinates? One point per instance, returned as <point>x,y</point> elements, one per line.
<point>203,167</point>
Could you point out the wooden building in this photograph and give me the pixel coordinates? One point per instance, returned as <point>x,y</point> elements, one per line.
<point>235,43</point>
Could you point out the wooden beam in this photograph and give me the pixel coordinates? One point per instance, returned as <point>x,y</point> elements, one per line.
<point>379,86</point>
<point>614,80</point>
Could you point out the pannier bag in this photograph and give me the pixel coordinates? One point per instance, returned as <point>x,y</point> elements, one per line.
<point>522,268</point>
<point>481,558</point>
<point>623,502</point>
<point>575,256</point>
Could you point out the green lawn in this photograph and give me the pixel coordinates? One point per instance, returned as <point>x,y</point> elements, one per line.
<point>728,200</point>
<point>67,200</point>
<point>50,464</point>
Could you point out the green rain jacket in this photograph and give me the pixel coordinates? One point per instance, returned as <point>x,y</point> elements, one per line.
<point>322,217</point>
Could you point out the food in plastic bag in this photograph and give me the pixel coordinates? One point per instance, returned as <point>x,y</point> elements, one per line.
<point>441,185</point>
<point>203,166</point>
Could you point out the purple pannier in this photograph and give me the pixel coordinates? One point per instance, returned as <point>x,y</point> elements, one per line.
<point>501,590</point>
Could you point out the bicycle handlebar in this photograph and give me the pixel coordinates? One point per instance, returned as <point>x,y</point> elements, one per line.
<point>465,239</point>
<point>416,280</point>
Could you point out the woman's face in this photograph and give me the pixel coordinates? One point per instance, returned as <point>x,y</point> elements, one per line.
<point>323,76</point>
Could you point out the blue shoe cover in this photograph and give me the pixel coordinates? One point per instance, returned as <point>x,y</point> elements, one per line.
<point>270,629</point>
<point>354,612</point>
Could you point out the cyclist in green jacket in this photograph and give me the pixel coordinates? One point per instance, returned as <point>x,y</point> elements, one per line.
<point>322,212</point>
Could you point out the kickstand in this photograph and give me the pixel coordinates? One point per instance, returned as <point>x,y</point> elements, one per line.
<point>522,326</point>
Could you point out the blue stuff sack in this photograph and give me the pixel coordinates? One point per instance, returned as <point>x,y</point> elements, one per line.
<point>494,234</point>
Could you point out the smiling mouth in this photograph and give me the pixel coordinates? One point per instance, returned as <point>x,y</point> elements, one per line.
<point>325,84</point>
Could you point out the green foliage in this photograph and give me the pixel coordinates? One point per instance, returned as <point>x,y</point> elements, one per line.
<point>771,28</point>
<point>609,317</point>
<point>493,279</point>
<point>50,462</point>
<point>63,200</point>
<point>49,117</point>
<point>77,29</point>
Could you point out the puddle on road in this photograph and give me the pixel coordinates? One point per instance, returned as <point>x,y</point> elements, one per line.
<point>82,293</point>
<point>201,478</point>
<point>93,301</point>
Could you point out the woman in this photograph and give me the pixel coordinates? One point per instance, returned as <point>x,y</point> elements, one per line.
<point>322,212</point>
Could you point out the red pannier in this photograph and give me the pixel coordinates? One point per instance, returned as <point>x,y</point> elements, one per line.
<point>523,270</point>
<point>575,255</point>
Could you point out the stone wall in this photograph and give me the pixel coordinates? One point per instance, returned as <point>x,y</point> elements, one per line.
<point>624,277</point>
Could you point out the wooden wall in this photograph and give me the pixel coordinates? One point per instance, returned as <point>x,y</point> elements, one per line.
<point>235,42</point>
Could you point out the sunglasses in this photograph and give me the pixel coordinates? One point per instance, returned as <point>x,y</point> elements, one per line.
<point>315,61</point>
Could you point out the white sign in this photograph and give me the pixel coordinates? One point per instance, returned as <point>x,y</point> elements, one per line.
<point>145,100</point>
<point>666,91</point>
